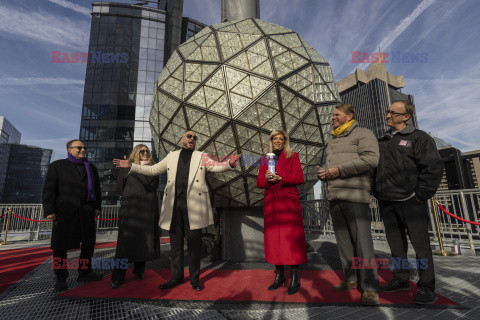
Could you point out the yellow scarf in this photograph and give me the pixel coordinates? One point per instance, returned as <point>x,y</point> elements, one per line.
<point>344,127</point>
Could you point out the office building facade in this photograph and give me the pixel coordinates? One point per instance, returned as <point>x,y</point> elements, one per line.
<point>371,92</point>
<point>128,47</point>
<point>25,174</point>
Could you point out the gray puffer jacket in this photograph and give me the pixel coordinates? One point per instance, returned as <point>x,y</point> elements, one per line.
<point>355,153</point>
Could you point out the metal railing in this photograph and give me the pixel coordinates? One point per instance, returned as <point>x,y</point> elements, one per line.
<point>19,229</point>
<point>462,203</point>
<point>316,218</point>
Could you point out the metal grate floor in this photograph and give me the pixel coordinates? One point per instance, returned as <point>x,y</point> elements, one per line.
<point>33,297</point>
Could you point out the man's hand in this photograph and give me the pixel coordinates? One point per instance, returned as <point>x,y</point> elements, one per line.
<point>234,158</point>
<point>332,173</point>
<point>52,217</point>
<point>122,163</point>
<point>97,212</point>
<point>321,173</point>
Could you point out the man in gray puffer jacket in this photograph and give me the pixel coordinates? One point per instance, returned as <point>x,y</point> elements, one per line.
<point>351,155</point>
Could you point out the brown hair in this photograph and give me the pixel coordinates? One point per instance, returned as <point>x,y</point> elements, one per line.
<point>286,147</point>
<point>347,109</point>
<point>409,106</point>
<point>135,155</point>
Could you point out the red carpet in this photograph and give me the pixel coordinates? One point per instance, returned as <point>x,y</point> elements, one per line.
<point>17,263</point>
<point>242,285</point>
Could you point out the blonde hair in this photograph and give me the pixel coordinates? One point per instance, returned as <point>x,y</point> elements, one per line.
<point>286,146</point>
<point>135,155</point>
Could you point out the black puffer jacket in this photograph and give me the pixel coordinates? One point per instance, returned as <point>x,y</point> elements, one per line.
<point>409,162</point>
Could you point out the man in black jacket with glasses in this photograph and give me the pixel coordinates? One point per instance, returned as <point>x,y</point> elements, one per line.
<point>408,175</point>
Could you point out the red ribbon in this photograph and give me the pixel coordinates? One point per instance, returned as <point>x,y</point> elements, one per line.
<point>456,217</point>
<point>104,219</point>
<point>3,215</point>
<point>31,219</point>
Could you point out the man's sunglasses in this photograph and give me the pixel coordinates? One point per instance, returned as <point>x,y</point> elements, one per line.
<point>79,148</point>
<point>144,151</point>
<point>190,136</point>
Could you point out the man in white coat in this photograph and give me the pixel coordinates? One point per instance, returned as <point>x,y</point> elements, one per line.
<point>186,207</point>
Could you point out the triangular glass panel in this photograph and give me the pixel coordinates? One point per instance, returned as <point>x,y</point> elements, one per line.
<point>250,115</point>
<point>193,116</point>
<point>314,55</point>
<point>198,98</point>
<point>274,123</point>
<point>226,137</point>
<point>291,41</point>
<point>238,102</point>
<point>247,26</point>
<point>271,28</point>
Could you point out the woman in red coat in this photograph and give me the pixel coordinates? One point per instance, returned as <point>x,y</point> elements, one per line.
<point>284,235</point>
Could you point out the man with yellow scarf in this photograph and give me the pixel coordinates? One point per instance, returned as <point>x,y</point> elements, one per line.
<point>351,155</point>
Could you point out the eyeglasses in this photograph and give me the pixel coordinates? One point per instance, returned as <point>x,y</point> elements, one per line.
<point>144,151</point>
<point>190,136</point>
<point>79,148</point>
<point>393,113</point>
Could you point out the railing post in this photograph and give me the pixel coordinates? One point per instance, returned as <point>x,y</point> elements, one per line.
<point>9,214</point>
<point>465,216</point>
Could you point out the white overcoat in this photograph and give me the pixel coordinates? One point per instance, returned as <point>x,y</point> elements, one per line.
<point>200,212</point>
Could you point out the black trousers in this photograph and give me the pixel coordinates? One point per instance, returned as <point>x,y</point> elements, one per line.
<point>409,217</point>
<point>119,274</point>
<point>86,252</point>
<point>180,229</point>
<point>351,223</point>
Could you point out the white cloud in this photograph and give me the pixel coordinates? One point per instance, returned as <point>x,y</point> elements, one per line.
<point>73,6</point>
<point>449,109</point>
<point>44,26</point>
<point>38,81</point>
<point>402,26</point>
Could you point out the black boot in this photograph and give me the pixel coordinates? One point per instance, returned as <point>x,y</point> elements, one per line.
<point>279,280</point>
<point>294,282</point>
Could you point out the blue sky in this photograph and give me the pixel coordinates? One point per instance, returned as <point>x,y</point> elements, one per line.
<point>43,99</point>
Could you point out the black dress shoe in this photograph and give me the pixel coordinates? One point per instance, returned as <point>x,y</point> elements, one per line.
<point>91,276</point>
<point>60,284</point>
<point>294,283</point>
<point>115,284</point>
<point>197,286</point>
<point>425,296</point>
<point>280,280</point>
<point>395,285</point>
<point>170,284</point>
<point>139,276</point>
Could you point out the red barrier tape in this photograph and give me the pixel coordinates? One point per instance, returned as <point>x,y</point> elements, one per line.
<point>3,215</point>
<point>31,219</point>
<point>104,219</point>
<point>456,217</point>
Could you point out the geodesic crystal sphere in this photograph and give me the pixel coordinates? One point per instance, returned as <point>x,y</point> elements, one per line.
<point>235,82</point>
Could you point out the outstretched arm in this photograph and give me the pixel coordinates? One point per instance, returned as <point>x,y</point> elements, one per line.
<point>155,170</point>
<point>215,166</point>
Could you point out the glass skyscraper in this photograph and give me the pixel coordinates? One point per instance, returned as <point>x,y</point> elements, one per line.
<point>126,54</point>
<point>25,175</point>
